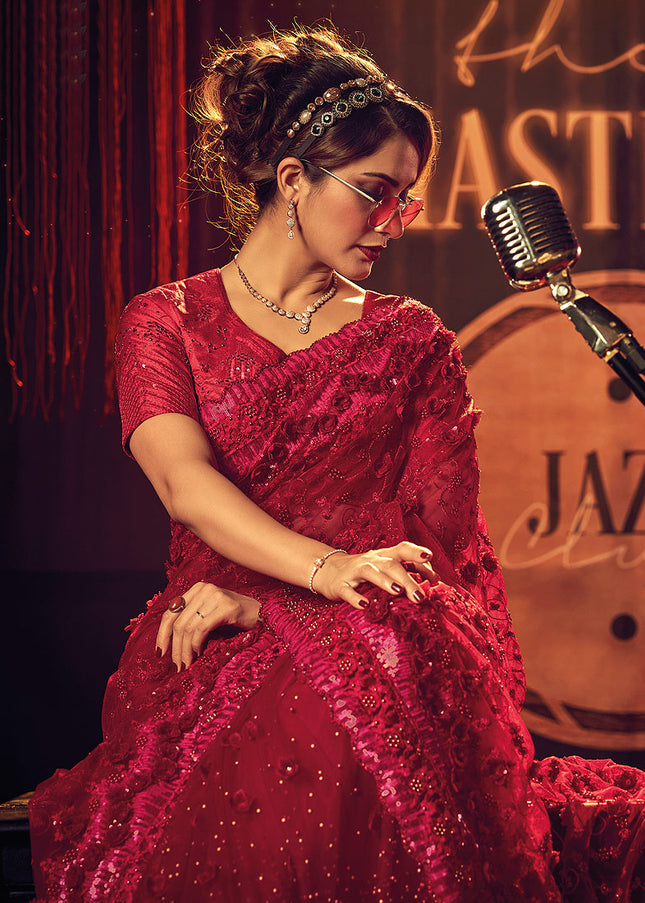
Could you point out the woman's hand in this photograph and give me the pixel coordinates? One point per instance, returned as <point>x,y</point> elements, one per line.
<point>207,607</point>
<point>341,573</point>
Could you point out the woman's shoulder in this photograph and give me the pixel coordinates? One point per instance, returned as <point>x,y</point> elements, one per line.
<point>170,304</point>
<point>393,305</point>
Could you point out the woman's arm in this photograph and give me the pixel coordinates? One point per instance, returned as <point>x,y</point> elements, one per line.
<point>174,453</point>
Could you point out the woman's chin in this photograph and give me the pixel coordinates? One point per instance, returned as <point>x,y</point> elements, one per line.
<point>358,269</point>
<point>353,274</point>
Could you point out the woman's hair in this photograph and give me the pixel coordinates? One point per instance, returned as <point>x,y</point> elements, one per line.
<point>253,91</point>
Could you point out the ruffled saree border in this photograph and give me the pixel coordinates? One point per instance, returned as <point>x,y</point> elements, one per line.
<point>325,358</point>
<point>405,758</point>
<point>116,877</point>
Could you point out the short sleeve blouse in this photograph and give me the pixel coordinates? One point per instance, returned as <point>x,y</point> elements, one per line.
<point>152,367</point>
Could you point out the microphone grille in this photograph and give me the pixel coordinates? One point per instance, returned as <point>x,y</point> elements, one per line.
<point>530,232</point>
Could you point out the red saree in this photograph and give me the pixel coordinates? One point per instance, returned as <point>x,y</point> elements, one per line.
<point>329,754</point>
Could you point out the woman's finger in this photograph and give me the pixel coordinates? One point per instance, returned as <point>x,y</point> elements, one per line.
<point>389,575</point>
<point>173,622</point>
<point>165,632</point>
<point>168,619</point>
<point>347,593</point>
<point>209,608</point>
<point>190,618</point>
<point>403,583</point>
<point>192,637</point>
<point>188,636</point>
<point>410,551</point>
<point>420,557</point>
<point>201,624</point>
<point>427,572</point>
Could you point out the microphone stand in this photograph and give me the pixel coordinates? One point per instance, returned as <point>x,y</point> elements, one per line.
<point>604,332</point>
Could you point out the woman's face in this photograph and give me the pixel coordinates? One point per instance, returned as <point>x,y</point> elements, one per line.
<point>333,218</point>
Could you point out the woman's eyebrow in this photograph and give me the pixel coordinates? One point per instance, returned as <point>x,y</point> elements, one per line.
<point>381,175</point>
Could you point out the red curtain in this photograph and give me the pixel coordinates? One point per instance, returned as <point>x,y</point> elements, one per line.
<point>74,114</point>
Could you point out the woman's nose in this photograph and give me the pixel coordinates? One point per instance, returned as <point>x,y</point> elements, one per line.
<point>393,226</point>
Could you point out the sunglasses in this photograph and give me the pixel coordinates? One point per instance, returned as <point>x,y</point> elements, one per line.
<point>383,209</point>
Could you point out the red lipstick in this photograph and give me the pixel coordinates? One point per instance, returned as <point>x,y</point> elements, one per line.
<point>371,254</point>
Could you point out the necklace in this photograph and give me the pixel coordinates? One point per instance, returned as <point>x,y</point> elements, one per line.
<point>305,316</point>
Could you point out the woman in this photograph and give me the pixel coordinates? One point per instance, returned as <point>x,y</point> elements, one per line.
<point>332,711</point>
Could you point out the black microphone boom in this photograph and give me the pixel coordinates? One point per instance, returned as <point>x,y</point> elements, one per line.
<point>536,245</point>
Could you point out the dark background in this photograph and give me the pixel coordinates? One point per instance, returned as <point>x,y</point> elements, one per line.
<point>84,536</point>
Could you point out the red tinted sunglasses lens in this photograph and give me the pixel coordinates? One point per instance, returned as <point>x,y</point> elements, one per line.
<point>413,209</point>
<point>384,210</point>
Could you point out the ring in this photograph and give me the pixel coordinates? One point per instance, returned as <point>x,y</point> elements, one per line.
<point>177,604</point>
<point>200,614</point>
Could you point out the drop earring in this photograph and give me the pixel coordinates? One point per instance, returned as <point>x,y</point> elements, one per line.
<point>291,220</point>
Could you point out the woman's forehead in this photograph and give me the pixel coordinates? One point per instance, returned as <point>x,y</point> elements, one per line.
<point>397,158</point>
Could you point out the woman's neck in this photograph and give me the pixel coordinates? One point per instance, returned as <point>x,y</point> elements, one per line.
<point>281,270</point>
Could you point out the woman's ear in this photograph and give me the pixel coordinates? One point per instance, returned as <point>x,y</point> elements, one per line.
<point>290,178</point>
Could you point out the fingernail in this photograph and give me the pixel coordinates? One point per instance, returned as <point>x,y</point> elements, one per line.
<point>420,596</point>
<point>183,666</point>
<point>364,603</point>
<point>425,555</point>
<point>397,588</point>
<point>158,652</point>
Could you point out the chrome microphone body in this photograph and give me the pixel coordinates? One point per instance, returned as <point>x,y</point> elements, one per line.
<point>536,245</point>
<point>530,233</point>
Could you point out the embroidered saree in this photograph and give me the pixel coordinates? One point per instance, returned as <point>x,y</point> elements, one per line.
<point>329,754</point>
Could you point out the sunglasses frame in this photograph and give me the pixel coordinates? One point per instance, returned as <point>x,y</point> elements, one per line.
<point>375,201</point>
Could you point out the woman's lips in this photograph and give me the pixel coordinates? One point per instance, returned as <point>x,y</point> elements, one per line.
<point>371,254</point>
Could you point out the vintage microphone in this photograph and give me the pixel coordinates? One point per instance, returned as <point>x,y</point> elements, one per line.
<point>536,246</point>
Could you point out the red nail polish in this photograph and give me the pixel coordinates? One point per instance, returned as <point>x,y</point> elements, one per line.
<point>158,652</point>
<point>425,555</point>
<point>420,596</point>
<point>364,603</point>
<point>397,588</point>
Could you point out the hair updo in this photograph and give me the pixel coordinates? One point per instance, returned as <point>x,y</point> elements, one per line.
<point>252,92</point>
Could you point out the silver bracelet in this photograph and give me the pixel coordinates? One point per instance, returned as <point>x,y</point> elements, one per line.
<point>318,563</point>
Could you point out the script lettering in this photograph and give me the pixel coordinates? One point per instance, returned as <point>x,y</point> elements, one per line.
<point>522,546</point>
<point>516,559</point>
<point>535,50</point>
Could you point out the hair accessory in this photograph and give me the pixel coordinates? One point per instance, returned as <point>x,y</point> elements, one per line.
<point>370,89</point>
<point>177,604</point>
<point>305,316</point>
<point>318,563</point>
<point>290,219</point>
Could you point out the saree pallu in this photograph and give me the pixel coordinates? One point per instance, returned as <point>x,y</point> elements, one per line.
<point>363,440</point>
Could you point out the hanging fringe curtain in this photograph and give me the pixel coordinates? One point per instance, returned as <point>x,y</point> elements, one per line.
<point>46,281</point>
<point>168,136</point>
<point>57,221</point>
<point>114,36</point>
<point>168,155</point>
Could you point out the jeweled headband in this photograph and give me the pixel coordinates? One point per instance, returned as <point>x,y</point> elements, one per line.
<point>370,89</point>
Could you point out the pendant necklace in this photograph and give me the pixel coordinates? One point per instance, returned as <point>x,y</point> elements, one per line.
<point>305,316</point>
